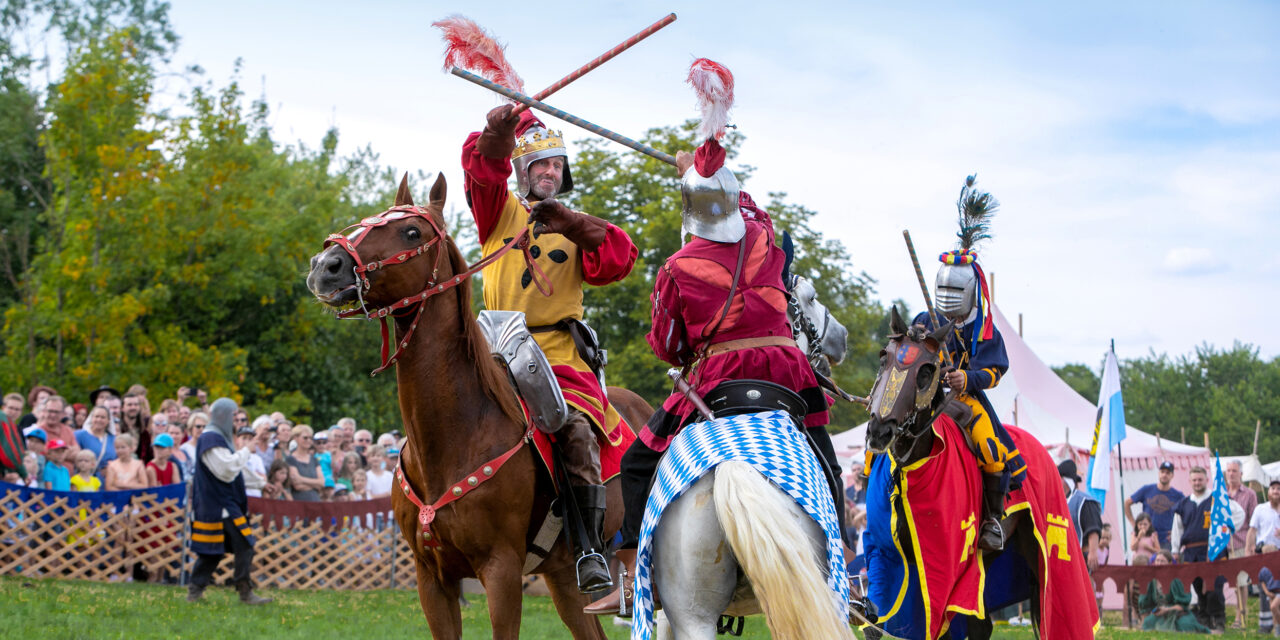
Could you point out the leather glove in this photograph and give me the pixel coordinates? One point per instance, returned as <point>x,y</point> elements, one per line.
<point>586,231</point>
<point>498,139</point>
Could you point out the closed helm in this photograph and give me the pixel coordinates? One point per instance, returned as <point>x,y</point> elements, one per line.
<point>956,290</point>
<point>538,143</point>
<point>711,205</point>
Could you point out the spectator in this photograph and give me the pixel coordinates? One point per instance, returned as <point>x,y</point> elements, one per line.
<point>140,392</point>
<point>70,412</point>
<point>162,471</point>
<point>36,443</point>
<point>184,414</point>
<point>1264,526</point>
<point>178,434</point>
<point>360,486</point>
<point>1146,542</point>
<point>84,479</point>
<point>262,445</point>
<point>387,441</point>
<point>1191,536</point>
<point>35,399</point>
<point>56,424</point>
<point>1104,544</point>
<point>393,457</point>
<point>1157,501</point>
<point>159,425</point>
<point>220,508</point>
<point>325,459</point>
<point>113,405</point>
<point>135,421</point>
<point>305,479</point>
<point>169,407</point>
<point>378,475</point>
<point>13,405</point>
<point>363,440</point>
<point>341,494</point>
<point>856,492</point>
<point>56,476</point>
<point>33,466</point>
<point>12,450</point>
<point>195,428</point>
<point>126,472</point>
<point>1085,512</point>
<point>1269,608</point>
<point>98,397</point>
<point>241,419</point>
<point>349,469</point>
<point>94,437</point>
<point>1248,500</point>
<point>284,439</point>
<point>277,487</point>
<point>255,473</point>
<point>80,415</point>
<point>1168,612</point>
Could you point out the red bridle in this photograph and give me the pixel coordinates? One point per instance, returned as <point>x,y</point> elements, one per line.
<point>362,270</point>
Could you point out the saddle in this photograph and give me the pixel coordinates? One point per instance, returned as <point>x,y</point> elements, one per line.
<point>737,397</point>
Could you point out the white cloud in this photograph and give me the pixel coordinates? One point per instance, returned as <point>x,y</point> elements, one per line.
<point>1192,261</point>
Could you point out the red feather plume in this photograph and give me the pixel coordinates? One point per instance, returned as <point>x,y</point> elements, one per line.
<point>713,83</point>
<point>470,47</point>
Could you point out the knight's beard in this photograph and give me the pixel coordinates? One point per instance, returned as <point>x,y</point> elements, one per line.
<point>542,194</point>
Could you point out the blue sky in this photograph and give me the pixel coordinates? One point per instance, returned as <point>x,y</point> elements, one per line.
<point>1135,147</point>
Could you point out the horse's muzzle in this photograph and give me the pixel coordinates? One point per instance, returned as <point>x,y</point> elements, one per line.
<point>880,434</point>
<point>332,279</point>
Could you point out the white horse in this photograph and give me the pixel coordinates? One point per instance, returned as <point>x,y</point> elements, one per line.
<point>735,544</point>
<point>818,334</point>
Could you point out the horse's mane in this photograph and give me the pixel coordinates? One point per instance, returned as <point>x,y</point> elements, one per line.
<point>493,379</point>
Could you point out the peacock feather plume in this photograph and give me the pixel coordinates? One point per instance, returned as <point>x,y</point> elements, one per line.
<point>976,210</point>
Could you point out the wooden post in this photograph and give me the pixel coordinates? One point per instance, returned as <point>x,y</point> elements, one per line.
<point>1206,439</point>
<point>1256,430</point>
<point>1184,435</point>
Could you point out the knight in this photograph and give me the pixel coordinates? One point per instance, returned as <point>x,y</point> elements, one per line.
<point>719,311</point>
<point>572,249</point>
<point>977,357</point>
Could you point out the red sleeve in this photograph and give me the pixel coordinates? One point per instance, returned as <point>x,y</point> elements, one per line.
<point>485,183</point>
<point>668,338</point>
<point>611,261</point>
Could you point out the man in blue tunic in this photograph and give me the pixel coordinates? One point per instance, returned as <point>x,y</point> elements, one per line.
<point>220,515</point>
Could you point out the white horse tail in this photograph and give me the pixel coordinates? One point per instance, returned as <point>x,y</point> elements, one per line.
<point>764,528</point>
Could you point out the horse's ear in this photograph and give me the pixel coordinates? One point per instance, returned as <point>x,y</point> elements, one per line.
<point>789,250</point>
<point>438,190</point>
<point>896,325</point>
<point>403,197</point>
<point>940,336</point>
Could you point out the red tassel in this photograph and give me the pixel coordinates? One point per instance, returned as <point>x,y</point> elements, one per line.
<point>470,47</point>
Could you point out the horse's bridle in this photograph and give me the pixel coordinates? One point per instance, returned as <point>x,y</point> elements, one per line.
<point>362,270</point>
<point>801,323</point>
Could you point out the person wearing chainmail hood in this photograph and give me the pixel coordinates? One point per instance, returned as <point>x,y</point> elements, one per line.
<point>220,516</point>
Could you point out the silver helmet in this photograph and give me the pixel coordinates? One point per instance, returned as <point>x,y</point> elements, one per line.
<point>711,205</point>
<point>956,290</point>
<point>537,143</point>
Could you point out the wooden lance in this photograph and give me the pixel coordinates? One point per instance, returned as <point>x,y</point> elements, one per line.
<point>924,289</point>
<point>605,57</point>
<point>563,115</point>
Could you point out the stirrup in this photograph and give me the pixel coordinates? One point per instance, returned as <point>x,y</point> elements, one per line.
<point>577,570</point>
<point>627,593</point>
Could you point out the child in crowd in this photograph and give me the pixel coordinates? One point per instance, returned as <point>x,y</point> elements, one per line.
<point>56,476</point>
<point>350,469</point>
<point>126,472</point>
<point>379,474</point>
<point>163,471</point>
<point>36,440</point>
<point>360,486</point>
<point>1146,542</point>
<point>32,462</point>
<point>84,480</point>
<point>1104,544</point>
<point>277,487</point>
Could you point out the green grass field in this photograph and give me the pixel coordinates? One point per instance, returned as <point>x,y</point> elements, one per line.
<point>67,609</point>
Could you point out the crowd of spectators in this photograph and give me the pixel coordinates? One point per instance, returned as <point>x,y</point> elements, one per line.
<point>114,442</point>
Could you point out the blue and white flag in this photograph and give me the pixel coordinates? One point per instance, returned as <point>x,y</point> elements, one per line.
<point>1108,430</point>
<point>1221,526</point>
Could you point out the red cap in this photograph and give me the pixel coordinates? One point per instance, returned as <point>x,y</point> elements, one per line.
<point>55,444</point>
<point>709,158</point>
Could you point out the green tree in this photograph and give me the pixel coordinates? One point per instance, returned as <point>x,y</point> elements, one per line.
<point>642,195</point>
<point>1080,378</point>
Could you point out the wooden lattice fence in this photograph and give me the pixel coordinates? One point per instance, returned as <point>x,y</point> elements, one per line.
<point>347,546</point>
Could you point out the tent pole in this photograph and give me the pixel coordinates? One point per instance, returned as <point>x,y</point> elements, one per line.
<point>1122,522</point>
<point>1256,429</point>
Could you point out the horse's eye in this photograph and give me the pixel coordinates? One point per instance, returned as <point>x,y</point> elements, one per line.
<point>925,376</point>
<point>413,234</point>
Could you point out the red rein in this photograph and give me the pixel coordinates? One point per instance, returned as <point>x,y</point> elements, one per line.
<point>362,279</point>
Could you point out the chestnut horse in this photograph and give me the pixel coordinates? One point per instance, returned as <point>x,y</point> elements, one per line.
<point>460,417</point>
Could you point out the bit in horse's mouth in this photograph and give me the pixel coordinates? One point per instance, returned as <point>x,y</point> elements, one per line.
<point>334,298</point>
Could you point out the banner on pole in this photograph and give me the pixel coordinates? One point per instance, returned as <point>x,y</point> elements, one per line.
<point>1108,429</point>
